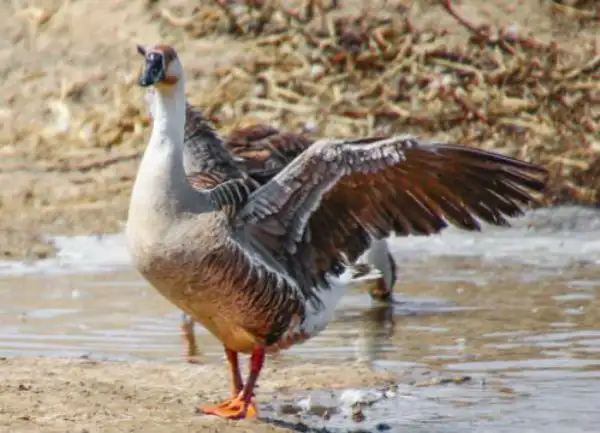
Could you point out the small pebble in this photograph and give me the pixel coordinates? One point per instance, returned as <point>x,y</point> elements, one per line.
<point>357,414</point>
<point>300,427</point>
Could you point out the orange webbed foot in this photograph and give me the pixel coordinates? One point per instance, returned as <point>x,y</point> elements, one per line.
<point>210,409</point>
<point>242,406</point>
<point>235,408</point>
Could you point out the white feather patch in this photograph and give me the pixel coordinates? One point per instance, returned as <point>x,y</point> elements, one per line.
<point>316,321</point>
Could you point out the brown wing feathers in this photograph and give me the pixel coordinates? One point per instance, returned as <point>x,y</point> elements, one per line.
<point>419,190</point>
<point>264,151</point>
<point>442,182</point>
<point>314,227</point>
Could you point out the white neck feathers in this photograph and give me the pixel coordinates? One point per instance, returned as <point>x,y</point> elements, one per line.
<point>161,194</point>
<point>168,112</point>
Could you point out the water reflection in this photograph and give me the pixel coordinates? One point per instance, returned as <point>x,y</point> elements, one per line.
<point>485,316</point>
<point>375,332</point>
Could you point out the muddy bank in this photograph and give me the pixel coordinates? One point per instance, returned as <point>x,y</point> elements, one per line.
<point>83,395</point>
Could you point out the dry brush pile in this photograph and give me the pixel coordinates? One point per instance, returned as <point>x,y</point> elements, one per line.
<point>319,69</point>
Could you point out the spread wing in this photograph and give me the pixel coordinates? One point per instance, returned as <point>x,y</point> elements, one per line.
<point>330,202</point>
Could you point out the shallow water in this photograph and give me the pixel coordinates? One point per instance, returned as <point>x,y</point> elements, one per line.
<point>517,310</point>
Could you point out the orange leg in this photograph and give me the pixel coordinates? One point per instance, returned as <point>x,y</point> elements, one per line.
<point>236,377</point>
<point>187,329</point>
<point>380,292</point>
<point>241,406</point>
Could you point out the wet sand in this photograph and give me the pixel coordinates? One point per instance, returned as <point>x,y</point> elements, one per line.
<point>84,395</point>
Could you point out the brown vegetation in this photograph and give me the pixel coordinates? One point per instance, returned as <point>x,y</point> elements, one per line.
<point>518,77</point>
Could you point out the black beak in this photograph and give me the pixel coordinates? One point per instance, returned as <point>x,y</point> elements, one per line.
<point>154,70</point>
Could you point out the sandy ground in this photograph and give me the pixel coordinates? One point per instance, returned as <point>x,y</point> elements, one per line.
<point>81,395</point>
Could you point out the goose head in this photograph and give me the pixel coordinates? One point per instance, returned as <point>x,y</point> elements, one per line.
<point>162,68</point>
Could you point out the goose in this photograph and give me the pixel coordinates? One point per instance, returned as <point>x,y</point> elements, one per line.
<point>262,151</point>
<point>262,266</point>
